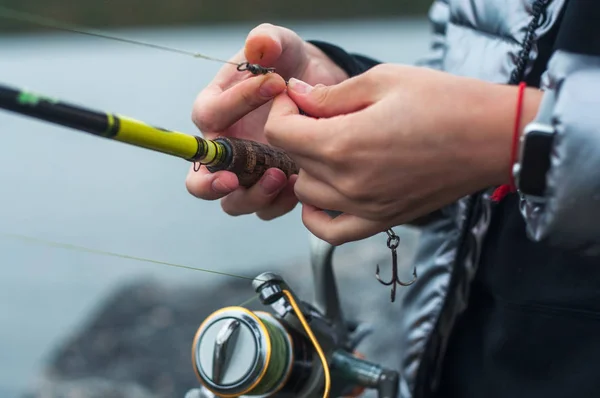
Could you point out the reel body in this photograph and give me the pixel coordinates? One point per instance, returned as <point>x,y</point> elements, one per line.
<point>241,353</point>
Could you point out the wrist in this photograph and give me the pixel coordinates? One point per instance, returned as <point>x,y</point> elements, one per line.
<point>529,105</point>
<point>495,117</point>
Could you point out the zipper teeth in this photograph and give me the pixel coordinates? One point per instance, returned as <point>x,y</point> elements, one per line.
<point>539,8</point>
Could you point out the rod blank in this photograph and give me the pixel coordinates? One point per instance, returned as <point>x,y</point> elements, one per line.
<point>247,159</point>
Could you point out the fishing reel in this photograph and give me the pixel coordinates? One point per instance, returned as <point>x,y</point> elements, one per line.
<point>241,353</point>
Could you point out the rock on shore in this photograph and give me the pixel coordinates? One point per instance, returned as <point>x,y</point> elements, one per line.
<point>138,343</point>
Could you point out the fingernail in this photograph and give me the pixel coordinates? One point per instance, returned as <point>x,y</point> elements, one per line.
<point>218,186</point>
<point>269,89</point>
<point>299,86</point>
<point>270,184</point>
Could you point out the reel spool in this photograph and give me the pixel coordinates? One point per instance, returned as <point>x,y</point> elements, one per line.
<point>237,352</point>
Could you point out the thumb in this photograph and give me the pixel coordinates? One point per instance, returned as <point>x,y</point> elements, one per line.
<point>319,101</point>
<point>271,45</point>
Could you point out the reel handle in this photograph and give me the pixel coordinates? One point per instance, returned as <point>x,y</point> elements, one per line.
<point>366,374</point>
<point>249,160</point>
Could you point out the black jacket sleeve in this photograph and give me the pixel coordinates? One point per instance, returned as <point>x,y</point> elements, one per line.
<point>352,64</point>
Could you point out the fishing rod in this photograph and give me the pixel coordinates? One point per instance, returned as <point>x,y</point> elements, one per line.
<point>247,159</point>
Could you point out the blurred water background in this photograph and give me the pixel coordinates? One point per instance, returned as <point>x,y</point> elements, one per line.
<point>60,185</point>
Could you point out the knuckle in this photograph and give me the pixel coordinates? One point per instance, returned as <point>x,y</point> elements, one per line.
<point>269,130</point>
<point>381,69</point>
<point>376,211</point>
<point>265,216</point>
<point>192,186</point>
<point>380,75</point>
<point>332,238</point>
<point>355,188</point>
<point>348,187</point>
<point>383,209</point>
<point>336,241</point>
<point>277,210</point>
<point>320,95</point>
<point>229,207</point>
<point>371,74</point>
<point>271,213</point>
<point>251,99</point>
<point>334,152</point>
<point>246,202</point>
<point>204,117</point>
<point>301,191</point>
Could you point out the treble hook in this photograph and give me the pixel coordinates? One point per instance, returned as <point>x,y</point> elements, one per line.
<point>392,243</point>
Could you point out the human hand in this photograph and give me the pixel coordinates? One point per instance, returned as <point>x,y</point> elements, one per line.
<point>393,144</point>
<point>236,104</point>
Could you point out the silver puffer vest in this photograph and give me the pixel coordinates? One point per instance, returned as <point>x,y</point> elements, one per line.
<point>497,41</point>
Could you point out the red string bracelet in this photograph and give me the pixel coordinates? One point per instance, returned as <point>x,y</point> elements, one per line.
<point>504,190</point>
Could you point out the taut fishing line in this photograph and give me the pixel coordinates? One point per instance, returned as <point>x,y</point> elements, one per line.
<point>68,246</point>
<point>21,16</point>
<point>111,254</point>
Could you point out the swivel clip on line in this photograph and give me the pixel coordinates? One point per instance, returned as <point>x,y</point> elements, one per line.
<point>255,69</point>
<point>392,243</point>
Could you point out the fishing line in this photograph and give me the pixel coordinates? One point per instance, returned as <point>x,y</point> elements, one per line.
<point>21,16</point>
<point>111,254</point>
<point>249,301</point>
<point>279,360</point>
<point>30,239</point>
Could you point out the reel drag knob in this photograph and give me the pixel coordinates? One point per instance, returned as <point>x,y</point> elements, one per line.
<point>237,352</point>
